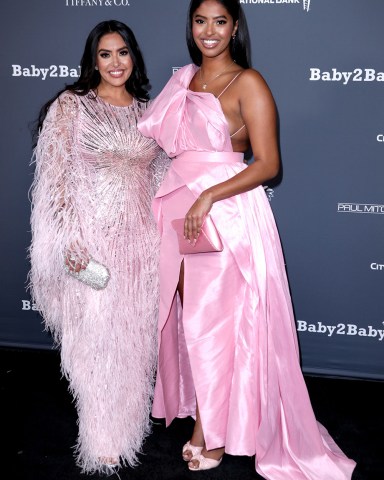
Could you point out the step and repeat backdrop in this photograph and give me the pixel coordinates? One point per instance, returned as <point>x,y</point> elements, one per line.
<point>323,60</point>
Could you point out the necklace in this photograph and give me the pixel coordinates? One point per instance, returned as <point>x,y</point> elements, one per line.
<point>205,84</point>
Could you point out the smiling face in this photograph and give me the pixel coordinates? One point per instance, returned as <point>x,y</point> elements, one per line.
<point>212,28</point>
<point>113,61</point>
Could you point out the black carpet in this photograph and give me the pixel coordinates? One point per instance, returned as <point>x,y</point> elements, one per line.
<point>38,427</point>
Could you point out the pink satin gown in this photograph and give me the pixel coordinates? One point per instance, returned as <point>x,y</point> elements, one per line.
<point>233,344</point>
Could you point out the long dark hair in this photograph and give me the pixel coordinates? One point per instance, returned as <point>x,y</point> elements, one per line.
<point>240,48</point>
<point>137,84</point>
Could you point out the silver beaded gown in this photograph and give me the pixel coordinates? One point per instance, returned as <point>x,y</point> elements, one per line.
<point>95,177</point>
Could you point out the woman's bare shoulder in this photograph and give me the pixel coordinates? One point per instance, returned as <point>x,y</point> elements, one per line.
<point>252,85</point>
<point>251,78</point>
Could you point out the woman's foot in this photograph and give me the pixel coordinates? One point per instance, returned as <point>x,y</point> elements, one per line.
<point>197,442</point>
<point>206,459</point>
<point>190,451</point>
<point>109,466</point>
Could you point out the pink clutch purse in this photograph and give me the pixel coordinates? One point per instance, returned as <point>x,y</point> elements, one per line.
<point>208,241</point>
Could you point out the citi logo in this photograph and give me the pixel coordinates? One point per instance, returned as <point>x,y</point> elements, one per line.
<point>380,137</point>
<point>377,266</point>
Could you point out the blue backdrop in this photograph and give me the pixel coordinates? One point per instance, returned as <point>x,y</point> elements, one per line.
<point>323,62</point>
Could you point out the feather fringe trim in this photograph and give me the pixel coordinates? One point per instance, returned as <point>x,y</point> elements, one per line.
<point>98,203</point>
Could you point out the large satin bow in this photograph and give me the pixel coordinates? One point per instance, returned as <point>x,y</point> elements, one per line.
<point>180,119</point>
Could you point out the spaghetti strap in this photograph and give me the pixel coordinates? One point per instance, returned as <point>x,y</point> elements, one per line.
<point>237,131</point>
<point>230,83</point>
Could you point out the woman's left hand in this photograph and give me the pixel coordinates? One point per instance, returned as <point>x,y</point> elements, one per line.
<point>76,258</point>
<point>196,215</point>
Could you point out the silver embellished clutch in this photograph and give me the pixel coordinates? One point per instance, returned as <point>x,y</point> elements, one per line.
<point>95,275</point>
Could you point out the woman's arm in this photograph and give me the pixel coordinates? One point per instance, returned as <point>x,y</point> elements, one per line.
<point>258,111</point>
<point>55,224</point>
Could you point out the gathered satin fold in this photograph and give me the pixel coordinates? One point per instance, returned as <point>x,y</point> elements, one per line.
<point>191,121</point>
<point>233,345</point>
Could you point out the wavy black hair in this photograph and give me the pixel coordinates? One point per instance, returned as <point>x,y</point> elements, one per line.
<point>240,47</point>
<point>137,84</point>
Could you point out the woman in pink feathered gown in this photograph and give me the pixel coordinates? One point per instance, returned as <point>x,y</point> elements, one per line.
<point>95,178</point>
<point>228,352</point>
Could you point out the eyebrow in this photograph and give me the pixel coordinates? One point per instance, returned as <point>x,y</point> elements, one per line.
<point>109,51</point>
<point>215,18</point>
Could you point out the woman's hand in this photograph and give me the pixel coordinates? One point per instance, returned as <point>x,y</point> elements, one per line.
<point>77,259</point>
<point>196,215</point>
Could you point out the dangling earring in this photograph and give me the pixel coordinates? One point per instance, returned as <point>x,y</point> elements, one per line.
<point>234,36</point>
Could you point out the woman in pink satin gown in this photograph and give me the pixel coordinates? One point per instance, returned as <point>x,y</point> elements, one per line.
<point>228,352</point>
